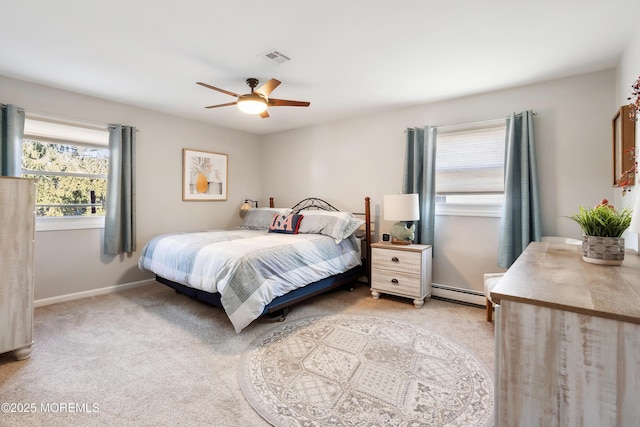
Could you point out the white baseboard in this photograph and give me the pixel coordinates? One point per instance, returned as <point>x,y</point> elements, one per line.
<point>458,294</point>
<point>91,293</point>
<point>441,291</point>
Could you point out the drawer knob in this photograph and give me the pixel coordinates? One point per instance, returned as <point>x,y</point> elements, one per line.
<point>395,259</point>
<point>394,281</point>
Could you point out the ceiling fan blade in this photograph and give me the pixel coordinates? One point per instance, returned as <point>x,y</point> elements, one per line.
<point>264,114</point>
<point>286,103</point>
<point>268,87</point>
<point>222,105</point>
<point>217,88</point>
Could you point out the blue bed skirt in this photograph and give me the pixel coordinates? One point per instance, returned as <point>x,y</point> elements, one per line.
<point>281,302</point>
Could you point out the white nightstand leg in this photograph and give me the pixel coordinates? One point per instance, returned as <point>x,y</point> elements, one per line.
<point>418,302</point>
<point>375,294</point>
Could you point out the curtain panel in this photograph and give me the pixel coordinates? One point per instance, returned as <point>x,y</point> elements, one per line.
<point>120,212</point>
<point>520,222</point>
<point>419,177</point>
<point>11,135</point>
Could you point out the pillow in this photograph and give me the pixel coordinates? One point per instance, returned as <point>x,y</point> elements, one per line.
<point>353,226</point>
<point>338,225</point>
<point>260,218</point>
<point>286,224</point>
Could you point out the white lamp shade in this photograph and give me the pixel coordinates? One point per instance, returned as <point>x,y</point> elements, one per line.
<point>401,207</point>
<point>245,207</point>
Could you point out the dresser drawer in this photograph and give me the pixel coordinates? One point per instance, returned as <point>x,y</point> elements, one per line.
<point>390,259</point>
<point>396,282</point>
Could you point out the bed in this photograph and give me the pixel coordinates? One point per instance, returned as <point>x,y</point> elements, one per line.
<point>276,258</point>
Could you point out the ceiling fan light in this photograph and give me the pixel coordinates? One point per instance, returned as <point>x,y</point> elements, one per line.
<point>252,105</point>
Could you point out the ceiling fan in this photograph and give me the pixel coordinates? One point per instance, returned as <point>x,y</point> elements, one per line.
<point>258,100</point>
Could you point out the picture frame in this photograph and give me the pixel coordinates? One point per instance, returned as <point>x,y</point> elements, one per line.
<point>624,144</point>
<point>204,175</point>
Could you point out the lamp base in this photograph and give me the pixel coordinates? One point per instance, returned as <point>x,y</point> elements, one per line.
<point>400,242</point>
<point>401,235</point>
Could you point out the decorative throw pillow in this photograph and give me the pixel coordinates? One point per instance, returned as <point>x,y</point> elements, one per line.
<point>286,224</point>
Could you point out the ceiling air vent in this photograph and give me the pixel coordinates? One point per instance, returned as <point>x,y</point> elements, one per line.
<point>278,57</point>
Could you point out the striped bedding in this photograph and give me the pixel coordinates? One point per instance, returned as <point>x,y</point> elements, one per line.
<point>249,268</point>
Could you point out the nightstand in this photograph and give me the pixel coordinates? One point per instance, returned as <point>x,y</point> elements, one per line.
<point>402,270</point>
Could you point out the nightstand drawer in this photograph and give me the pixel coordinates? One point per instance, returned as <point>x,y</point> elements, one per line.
<point>396,260</point>
<point>396,282</point>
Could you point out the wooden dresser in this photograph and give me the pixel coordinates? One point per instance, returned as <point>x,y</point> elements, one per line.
<point>567,340</point>
<point>17,232</point>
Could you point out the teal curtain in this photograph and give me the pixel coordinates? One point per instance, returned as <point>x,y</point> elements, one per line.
<point>120,212</point>
<point>419,177</point>
<point>520,223</point>
<point>11,134</point>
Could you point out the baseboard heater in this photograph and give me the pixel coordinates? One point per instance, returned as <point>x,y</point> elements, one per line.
<point>459,295</point>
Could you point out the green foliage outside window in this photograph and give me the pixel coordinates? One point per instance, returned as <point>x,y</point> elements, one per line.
<point>68,192</point>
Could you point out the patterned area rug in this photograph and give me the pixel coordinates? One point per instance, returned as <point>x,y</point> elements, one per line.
<point>363,371</point>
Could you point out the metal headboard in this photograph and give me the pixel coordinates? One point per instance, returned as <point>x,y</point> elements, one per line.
<point>319,204</point>
<point>313,203</point>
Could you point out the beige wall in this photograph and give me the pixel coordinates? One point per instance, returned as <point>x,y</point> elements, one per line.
<point>347,160</point>
<point>72,261</point>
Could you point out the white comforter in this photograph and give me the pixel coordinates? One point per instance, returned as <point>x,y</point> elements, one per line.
<point>249,268</point>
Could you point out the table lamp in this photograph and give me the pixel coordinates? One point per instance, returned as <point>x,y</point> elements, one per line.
<point>402,208</point>
<point>244,208</point>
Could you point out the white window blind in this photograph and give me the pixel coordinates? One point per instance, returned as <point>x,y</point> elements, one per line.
<point>470,158</point>
<point>49,131</point>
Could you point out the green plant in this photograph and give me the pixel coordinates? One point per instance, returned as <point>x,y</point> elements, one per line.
<point>604,220</point>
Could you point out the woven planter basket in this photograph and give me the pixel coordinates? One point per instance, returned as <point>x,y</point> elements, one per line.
<point>603,250</point>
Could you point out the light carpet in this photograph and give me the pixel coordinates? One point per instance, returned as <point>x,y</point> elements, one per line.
<point>345,370</point>
<point>150,357</point>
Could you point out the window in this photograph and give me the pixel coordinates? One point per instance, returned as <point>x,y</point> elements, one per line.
<point>70,164</point>
<point>470,169</point>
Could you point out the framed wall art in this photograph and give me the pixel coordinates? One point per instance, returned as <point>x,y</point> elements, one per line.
<point>624,143</point>
<point>204,175</point>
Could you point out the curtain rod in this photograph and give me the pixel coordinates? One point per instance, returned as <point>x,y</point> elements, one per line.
<point>480,122</point>
<point>445,127</point>
<point>65,120</point>
<point>3,106</point>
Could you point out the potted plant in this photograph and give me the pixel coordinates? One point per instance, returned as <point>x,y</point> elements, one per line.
<point>602,228</point>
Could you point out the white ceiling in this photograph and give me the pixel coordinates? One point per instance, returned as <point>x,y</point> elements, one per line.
<point>349,57</point>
